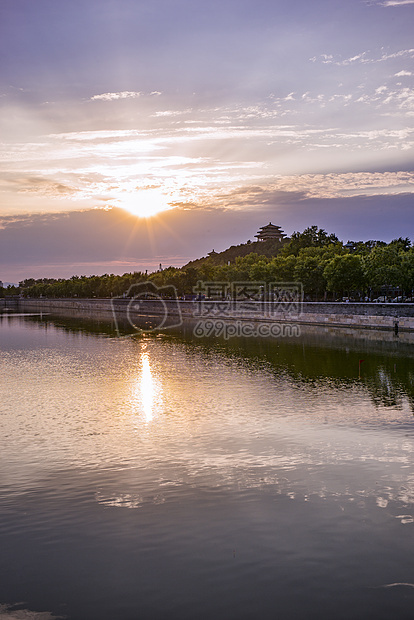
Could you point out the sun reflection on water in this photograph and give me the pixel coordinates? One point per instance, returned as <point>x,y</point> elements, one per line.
<point>146,395</point>
<point>147,388</point>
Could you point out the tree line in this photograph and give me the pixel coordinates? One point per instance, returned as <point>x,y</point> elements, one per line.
<point>327,269</point>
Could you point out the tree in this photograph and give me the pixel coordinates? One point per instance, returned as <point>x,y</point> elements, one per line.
<point>259,271</point>
<point>282,268</point>
<point>309,271</point>
<point>407,270</point>
<point>310,237</point>
<point>384,267</point>
<point>364,247</point>
<point>344,274</point>
<point>401,244</point>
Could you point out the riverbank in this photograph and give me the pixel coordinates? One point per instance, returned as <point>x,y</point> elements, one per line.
<point>336,314</point>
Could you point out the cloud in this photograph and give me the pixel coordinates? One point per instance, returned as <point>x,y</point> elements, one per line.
<point>390,101</point>
<point>37,185</point>
<point>396,2</point>
<point>403,73</point>
<point>362,57</point>
<point>102,135</point>
<point>322,186</point>
<point>126,94</point>
<point>162,113</point>
<point>197,155</point>
<point>400,54</point>
<point>115,168</point>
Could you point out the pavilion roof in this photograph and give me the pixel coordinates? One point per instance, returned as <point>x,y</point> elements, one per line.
<point>270,226</point>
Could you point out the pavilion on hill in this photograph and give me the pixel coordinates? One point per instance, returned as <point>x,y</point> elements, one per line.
<point>270,231</point>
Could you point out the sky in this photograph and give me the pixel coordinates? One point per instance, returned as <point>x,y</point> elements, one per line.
<point>134,132</point>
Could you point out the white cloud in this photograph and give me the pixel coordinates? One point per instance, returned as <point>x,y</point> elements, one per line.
<point>327,186</point>
<point>161,113</point>
<point>402,53</point>
<point>125,94</point>
<point>104,134</point>
<point>403,73</point>
<point>357,58</point>
<point>325,58</point>
<point>396,2</point>
<point>362,57</point>
<point>197,153</point>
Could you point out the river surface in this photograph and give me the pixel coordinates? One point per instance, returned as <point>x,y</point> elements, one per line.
<point>170,477</point>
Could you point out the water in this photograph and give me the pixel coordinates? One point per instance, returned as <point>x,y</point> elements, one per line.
<point>165,477</point>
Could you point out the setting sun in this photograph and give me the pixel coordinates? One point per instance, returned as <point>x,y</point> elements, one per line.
<point>144,203</point>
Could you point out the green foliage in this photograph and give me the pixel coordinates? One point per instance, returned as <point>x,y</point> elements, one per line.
<point>314,257</point>
<point>311,237</point>
<point>407,270</point>
<point>345,274</point>
<point>383,266</point>
<point>309,270</point>
<point>282,268</point>
<point>363,248</point>
<point>401,244</point>
<point>266,249</point>
<point>10,290</point>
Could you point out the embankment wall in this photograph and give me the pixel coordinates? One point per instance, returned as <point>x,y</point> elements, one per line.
<point>361,315</point>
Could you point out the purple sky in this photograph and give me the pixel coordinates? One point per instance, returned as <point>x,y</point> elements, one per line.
<point>229,113</point>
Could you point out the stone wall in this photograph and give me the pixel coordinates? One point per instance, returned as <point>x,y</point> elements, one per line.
<point>9,302</point>
<point>360,315</point>
<point>355,308</point>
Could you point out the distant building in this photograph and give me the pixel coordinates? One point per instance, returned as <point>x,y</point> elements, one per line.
<point>270,231</point>
<point>351,246</point>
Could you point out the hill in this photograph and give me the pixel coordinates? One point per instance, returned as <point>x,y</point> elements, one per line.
<point>267,248</point>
